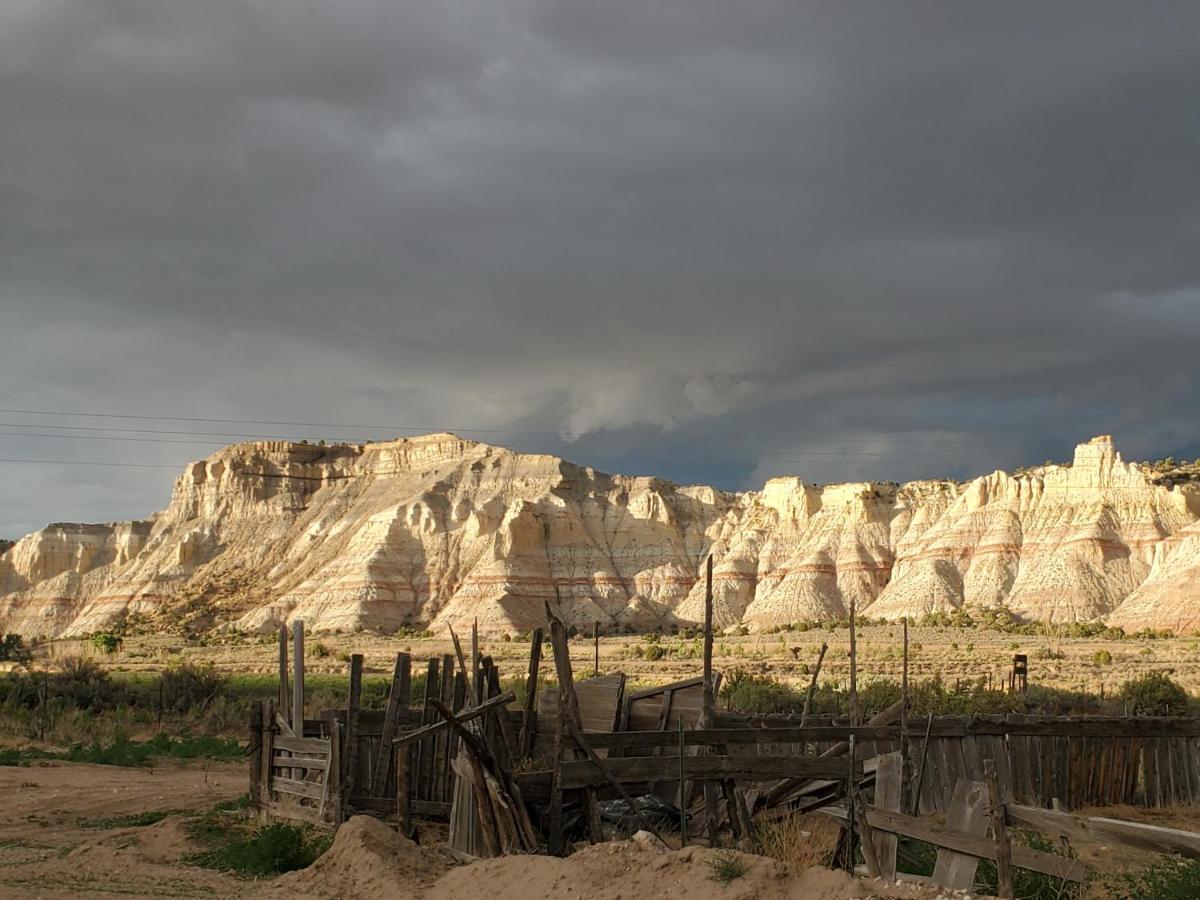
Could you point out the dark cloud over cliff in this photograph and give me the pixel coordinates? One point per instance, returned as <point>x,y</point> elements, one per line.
<point>710,241</point>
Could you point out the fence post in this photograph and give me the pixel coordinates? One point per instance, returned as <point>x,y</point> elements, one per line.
<point>1004,873</point>
<point>254,755</point>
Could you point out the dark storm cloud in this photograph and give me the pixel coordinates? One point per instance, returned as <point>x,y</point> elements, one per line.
<point>713,241</point>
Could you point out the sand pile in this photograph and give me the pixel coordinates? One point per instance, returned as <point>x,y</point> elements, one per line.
<point>367,859</point>
<point>629,870</point>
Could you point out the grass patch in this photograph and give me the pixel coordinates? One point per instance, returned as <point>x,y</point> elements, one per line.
<point>132,820</point>
<point>727,866</point>
<point>121,751</point>
<point>266,852</point>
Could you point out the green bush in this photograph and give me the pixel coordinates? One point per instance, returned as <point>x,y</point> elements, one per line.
<point>1168,879</point>
<point>1102,658</point>
<point>190,685</point>
<point>272,850</point>
<point>106,642</point>
<point>12,647</point>
<point>1154,694</point>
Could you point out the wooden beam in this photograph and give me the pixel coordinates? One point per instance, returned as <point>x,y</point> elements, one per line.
<point>353,703</point>
<point>981,846</point>
<point>398,698</point>
<point>528,710</point>
<point>1004,874</point>
<point>812,684</point>
<point>1102,831</point>
<point>298,677</point>
<point>283,704</point>
<point>644,769</point>
<point>466,715</point>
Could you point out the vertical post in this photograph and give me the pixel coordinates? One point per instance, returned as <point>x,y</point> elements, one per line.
<point>596,643</point>
<point>396,703</point>
<point>267,748</point>
<point>335,792</point>
<point>682,789</point>
<point>285,706</point>
<point>709,703</point>
<point>812,685</point>
<point>531,686</point>
<point>403,806</point>
<point>1004,872</point>
<point>852,779</point>
<point>298,677</point>
<point>254,755</point>
<point>904,700</point>
<point>709,700</point>
<point>476,681</point>
<point>353,703</point>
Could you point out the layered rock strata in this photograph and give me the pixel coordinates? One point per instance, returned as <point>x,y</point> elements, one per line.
<point>437,530</point>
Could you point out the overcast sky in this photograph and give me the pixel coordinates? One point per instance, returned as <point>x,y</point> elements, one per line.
<point>711,241</point>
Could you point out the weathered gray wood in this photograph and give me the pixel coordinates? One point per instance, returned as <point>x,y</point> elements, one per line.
<point>312,746</point>
<point>353,702</point>
<point>499,701</point>
<point>300,762</point>
<point>889,777</point>
<point>812,684</point>
<point>284,700</point>
<point>308,789</point>
<point>398,698</point>
<point>981,846</point>
<point>254,755</point>
<point>1101,831</point>
<point>298,677</point>
<point>1004,874</point>
<point>531,690</point>
<point>967,813</point>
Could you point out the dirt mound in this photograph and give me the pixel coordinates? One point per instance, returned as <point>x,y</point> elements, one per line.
<point>367,859</point>
<point>166,841</point>
<point>624,870</point>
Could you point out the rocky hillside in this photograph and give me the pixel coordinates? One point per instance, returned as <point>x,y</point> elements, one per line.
<point>436,529</point>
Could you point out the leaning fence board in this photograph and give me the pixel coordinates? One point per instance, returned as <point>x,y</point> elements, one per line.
<point>980,846</point>
<point>309,789</point>
<point>967,814</point>
<point>1103,831</point>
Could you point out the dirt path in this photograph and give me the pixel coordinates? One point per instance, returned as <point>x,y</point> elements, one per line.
<point>47,848</point>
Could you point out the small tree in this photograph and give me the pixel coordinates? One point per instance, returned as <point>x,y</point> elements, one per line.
<point>1154,694</point>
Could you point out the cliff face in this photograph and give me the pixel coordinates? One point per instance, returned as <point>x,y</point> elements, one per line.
<point>441,530</point>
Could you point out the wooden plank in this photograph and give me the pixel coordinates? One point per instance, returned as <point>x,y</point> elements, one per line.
<point>924,829</point>
<point>398,698</point>
<point>308,789</point>
<point>889,782</point>
<point>1004,874</point>
<point>298,676</point>
<point>673,686</point>
<point>1100,831</point>
<point>531,691</point>
<point>310,746</point>
<point>966,814</point>
<point>254,755</point>
<point>266,752</point>
<point>353,702</point>
<point>484,708</point>
<point>283,703</point>
<point>300,762</point>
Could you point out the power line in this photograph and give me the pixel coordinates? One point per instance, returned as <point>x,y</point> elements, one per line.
<point>104,437</point>
<point>88,462</point>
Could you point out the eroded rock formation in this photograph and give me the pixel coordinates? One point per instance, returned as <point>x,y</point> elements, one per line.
<point>436,530</point>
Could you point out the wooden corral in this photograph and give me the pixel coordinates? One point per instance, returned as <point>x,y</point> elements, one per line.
<point>509,779</point>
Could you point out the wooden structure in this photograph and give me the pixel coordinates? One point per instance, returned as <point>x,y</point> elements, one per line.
<point>513,778</point>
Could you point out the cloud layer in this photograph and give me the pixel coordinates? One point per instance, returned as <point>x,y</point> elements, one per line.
<point>706,240</point>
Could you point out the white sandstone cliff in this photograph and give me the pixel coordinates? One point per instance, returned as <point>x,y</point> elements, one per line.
<point>438,530</point>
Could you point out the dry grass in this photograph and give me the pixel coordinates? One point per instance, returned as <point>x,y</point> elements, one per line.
<point>800,841</point>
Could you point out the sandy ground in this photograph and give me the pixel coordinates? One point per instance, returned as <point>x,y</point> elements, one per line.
<point>47,849</point>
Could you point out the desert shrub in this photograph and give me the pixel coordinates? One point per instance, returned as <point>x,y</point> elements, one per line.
<point>190,685</point>
<point>1154,694</point>
<point>727,866</point>
<point>1167,879</point>
<point>106,641</point>
<point>12,648</point>
<point>1102,658</point>
<point>78,682</point>
<point>760,694</point>
<point>319,650</point>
